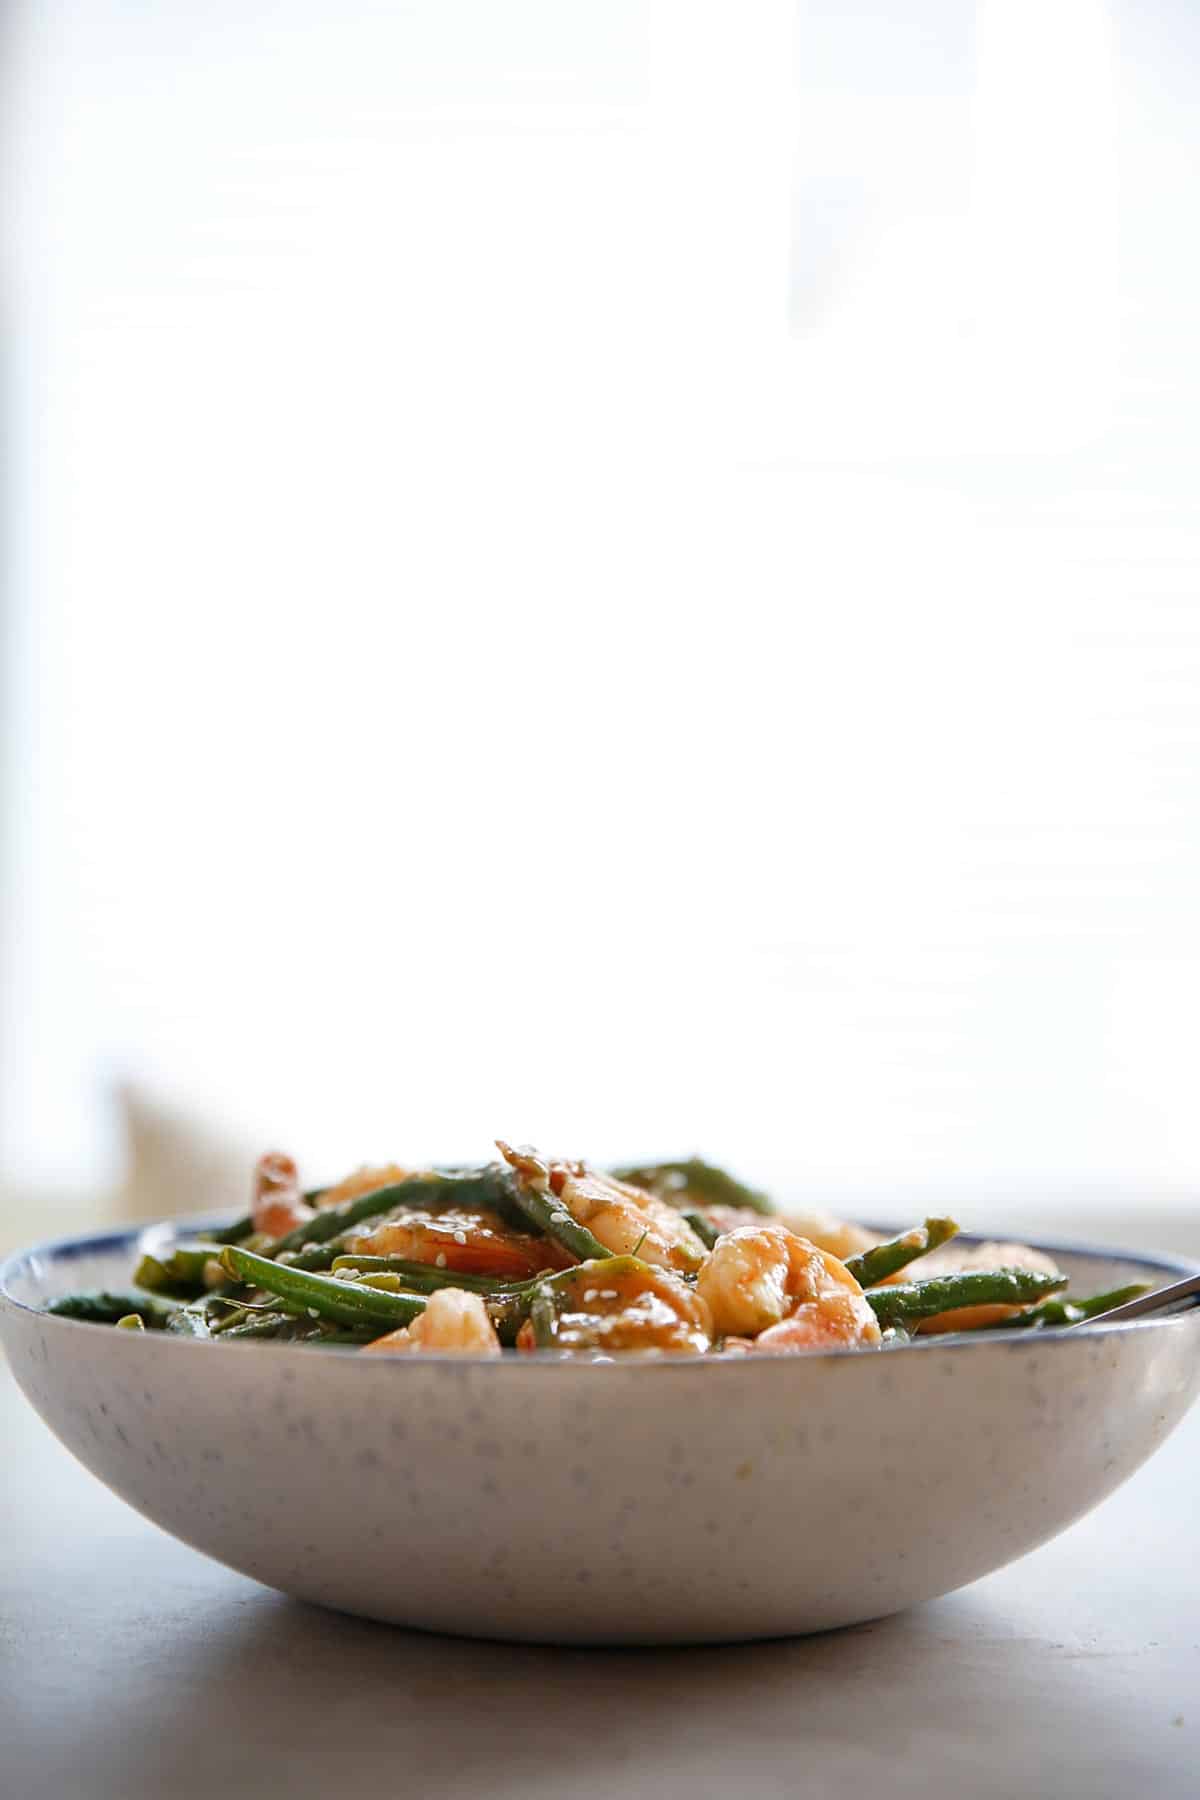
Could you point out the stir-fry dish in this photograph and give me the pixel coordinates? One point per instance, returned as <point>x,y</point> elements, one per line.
<point>528,1254</point>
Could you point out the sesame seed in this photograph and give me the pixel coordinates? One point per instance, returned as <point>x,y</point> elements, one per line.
<point>313,1313</point>
<point>460,1237</point>
<point>441,1259</point>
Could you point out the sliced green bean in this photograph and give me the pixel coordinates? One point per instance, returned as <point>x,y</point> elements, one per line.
<point>550,1216</point>
<point>1073,1312</point>
<point>692,1178</point>
<point>910,1301</point>
<point>227,1312</point>
<point>315,1257</point>
<point>333,1220</point>
<point>261,1325</point>
<point>99,1306</point>
<point>321,1296</point>
<point>872,1266</point>
<point>237,1233</point>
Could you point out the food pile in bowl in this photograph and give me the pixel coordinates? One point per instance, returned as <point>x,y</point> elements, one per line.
<point>528,1254</point>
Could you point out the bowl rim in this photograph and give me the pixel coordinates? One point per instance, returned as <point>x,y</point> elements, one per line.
<point>134,1235</point>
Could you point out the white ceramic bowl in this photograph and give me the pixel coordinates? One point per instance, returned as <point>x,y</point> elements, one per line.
<point>664,1502</point>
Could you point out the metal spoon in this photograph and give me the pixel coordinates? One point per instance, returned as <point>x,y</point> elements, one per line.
<point>1148,1303</point>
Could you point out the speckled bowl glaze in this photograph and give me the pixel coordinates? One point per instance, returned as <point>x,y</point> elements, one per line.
<point>618,1503</point>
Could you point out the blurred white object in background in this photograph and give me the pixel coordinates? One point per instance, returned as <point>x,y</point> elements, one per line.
<point>178,1161</point>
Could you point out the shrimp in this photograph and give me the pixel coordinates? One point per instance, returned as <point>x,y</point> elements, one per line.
<point>453,1324</point>
<point>475,1242</point>
<point>363,1181</point>
<point>277,1205</point>
<point>624,1219</point>
<point>960,1259</point>
<point>766,1283</point>
<point>625,1305</point>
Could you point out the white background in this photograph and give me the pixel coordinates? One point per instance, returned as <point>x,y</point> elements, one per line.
<point>621,575</point>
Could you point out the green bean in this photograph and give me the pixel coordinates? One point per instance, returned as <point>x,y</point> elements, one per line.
<point>678,1182</point>
<point>335,1219</point>
<point>316,1257</point>
<point>702,1225</point>
<point>1074,1312</point>
<point>912,1300</point>
<point>227,1312</point>
<point>101,1307</point>
<point>260,1325</point>
<point>321,1296</point>
<point>180,1275</point>
<point>286,1328</point>
<point>508,1312</point>
<point>237,1233</point>
<point>873,1266</point>
<point>551,1217</point>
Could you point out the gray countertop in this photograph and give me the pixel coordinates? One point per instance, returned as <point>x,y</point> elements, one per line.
<point>132,1667</point>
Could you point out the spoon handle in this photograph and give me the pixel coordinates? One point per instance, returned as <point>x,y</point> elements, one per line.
<point>1149,1303</point>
